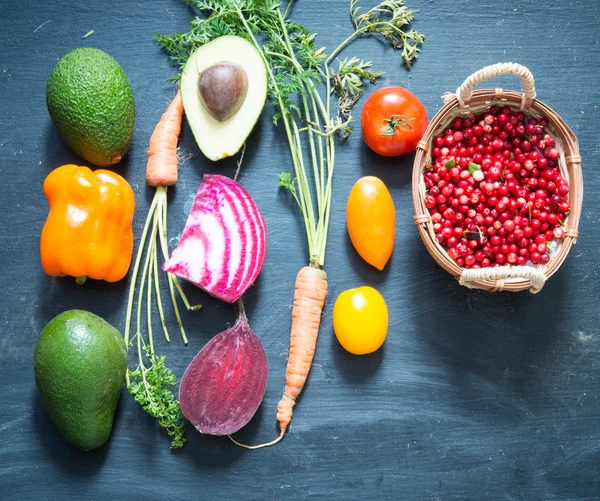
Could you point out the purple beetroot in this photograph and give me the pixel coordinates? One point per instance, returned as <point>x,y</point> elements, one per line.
<point>225,383</point>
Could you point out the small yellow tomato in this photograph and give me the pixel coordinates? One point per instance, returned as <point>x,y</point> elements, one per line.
<point>371,220</point>
<point>360,320</point>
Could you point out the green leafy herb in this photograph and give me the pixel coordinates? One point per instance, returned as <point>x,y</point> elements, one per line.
<point>473,167</point>
<point>286,181</point>
<point>150,388</point>
<point>389,18</point>
<point>348,82</point>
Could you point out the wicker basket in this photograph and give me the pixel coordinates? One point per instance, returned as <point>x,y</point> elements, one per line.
<point>465,102</point>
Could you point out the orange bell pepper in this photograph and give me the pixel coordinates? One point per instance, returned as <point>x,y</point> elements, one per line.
<point>88,232</point>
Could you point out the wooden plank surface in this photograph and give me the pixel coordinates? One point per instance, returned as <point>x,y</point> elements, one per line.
<point>474,396</point>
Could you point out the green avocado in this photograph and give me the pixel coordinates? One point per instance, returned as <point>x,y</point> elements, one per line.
<point>90,101</point>
<point>79,364</point>
<point>223,88</point>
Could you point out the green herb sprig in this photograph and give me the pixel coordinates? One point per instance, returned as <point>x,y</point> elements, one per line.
<point>348,82</point>
<point>390,18</point>
<point>150,388</point>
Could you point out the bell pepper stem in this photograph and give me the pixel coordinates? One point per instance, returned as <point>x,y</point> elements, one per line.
<point>80,280</point>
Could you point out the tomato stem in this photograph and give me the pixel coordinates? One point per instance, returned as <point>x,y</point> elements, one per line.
<point>394,122</point>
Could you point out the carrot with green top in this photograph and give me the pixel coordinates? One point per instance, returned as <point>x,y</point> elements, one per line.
<point>149,384</point>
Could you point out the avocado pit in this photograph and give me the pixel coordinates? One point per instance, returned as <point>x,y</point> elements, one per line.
<point>223,88</point>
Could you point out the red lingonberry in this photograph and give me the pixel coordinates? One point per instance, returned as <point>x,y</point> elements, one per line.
<point>517,201</point>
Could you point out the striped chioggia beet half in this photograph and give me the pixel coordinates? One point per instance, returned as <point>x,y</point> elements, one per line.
<point>222,247</point>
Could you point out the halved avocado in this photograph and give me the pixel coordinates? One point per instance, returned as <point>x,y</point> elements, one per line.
<point>224,89</point>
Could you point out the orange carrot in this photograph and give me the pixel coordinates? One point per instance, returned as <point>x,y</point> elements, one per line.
<point>161,172</point>
<point>162,152</point>
<point>309,297</point>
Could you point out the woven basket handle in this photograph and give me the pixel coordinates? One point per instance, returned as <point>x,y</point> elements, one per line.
<point>465,92</point>
<point>534,275</point>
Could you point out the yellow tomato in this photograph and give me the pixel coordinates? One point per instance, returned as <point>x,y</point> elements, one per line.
<point>371,220</point>
<point>360,320</point>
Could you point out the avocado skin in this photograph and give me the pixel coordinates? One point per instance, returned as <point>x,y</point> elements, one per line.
<point>79,364</point>
<point>91,103</point>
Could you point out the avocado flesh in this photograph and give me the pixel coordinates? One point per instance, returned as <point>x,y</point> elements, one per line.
<point>220,139</point>
<point>91,103</point>
<point>80,362</point>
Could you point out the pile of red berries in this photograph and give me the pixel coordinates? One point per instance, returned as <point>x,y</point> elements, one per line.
<point>495,193</point>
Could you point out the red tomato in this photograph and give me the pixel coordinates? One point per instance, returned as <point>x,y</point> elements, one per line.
<point>393,121</point>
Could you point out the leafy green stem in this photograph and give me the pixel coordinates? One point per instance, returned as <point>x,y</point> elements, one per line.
<point>313,152</point>
<point>136,266</point>
<point>304,191</point>
<point>304,198</point>
<point>340,47</point>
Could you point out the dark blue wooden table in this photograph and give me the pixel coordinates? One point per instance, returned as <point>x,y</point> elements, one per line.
<point>474,396</point>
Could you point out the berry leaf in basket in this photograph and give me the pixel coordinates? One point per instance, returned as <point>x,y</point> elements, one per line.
<point>473,167</point>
